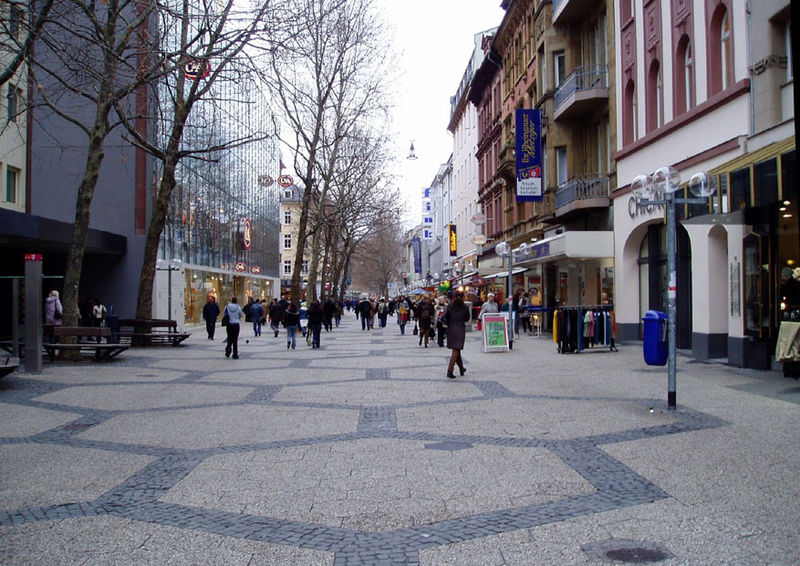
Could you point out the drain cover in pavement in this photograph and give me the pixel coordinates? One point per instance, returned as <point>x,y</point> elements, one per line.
<point>627,551</point>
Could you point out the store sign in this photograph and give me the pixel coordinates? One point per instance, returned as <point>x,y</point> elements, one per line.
<point>265,180</point>
<point>528,135</point>
<point>285,181</point>
<point>33,257</point>
<point>495,332</point>
<point>479,239</point>
<point>479,218</point>
<point>255,269</point>
<point>240,267</point>
<point>416,249</point>
<point>453,239</point>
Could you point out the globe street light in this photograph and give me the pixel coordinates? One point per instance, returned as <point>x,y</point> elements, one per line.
<point>660,188</point>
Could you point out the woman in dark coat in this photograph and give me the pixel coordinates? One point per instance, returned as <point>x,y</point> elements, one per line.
<point>457,316</point>
<point>315,318</point>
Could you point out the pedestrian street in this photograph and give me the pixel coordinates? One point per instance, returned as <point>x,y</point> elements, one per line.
<point>363,452</point>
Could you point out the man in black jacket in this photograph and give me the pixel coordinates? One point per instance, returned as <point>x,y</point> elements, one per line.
<point>210,314</point>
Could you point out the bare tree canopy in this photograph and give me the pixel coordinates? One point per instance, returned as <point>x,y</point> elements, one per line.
<point>18,32</point>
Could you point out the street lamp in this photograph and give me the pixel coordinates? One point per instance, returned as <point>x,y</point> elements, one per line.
<point>660,188</point>
<point>173,265</point>
<point>504,249</point>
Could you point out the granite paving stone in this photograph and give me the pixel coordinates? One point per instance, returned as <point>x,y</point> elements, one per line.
<point>363,453</point>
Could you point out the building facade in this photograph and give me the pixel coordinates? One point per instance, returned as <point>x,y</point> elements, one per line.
<point>706,85</point>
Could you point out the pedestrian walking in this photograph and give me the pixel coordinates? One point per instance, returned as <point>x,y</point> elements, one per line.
<point>383,312</point>
<point>275,316</point>
<point>53,310</point>
<point>490,306</point>
<point>291,320</point>
<point>210,315</point>
<point>257,315</point>
<point>315,317</point>
<point>235,315</point>
<point>438,317</point>
<point>402,315</point>
<point>425,316</point>
<point>328,310</point>
<point>364,309</point>
<point>99,312</point>
<point>456,317</point>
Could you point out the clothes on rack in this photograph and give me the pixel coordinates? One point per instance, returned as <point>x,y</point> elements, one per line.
<point>586,326</point>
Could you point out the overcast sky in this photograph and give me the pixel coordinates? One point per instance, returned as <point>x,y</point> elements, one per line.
<point>435,39</point>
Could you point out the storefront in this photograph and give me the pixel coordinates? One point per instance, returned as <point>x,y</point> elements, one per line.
<point>199,284</point>
<point>735,259</point>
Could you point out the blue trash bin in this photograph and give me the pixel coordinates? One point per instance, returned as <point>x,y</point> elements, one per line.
<point>655,338</point>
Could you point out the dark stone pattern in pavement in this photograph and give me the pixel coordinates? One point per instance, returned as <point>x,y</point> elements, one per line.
<point>616,485</point>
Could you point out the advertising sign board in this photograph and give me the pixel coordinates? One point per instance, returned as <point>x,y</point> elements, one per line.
<point>495,332</point>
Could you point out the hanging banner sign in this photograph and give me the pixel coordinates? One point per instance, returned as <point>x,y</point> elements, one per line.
<point>416,248</point>
<point>285,181</point>
<point>528,134</point>
<point>453,239</point>
<point>495,332</point>
<point>246,231</point>
<point>265,180</point>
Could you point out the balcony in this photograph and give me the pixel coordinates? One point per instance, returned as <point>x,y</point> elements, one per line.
<point>568,10</point>
<point>583,92</point>
<point>582,192</point>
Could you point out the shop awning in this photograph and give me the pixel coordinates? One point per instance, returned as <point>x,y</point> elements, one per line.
<point>579,245</point>
<point>514,271</point>
<point>464,277</point>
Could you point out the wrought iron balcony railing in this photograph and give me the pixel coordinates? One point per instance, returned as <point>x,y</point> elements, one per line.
<point>582,78</point>
<point>581,187</point>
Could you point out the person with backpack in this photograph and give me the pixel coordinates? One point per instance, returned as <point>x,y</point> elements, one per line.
<point>234,315</point>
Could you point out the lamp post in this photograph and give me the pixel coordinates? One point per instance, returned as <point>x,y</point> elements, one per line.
<point>173,265</point>
<point>660,188</point>
<point>504,249</point>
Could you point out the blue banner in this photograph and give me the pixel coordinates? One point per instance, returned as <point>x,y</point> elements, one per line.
<point>528,133</point>
<point>416,248</point>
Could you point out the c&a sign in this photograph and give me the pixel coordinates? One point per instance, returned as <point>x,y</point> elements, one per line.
<point>246,233</point>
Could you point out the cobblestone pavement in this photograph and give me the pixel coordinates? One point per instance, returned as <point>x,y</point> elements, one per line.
<point>362,452</point>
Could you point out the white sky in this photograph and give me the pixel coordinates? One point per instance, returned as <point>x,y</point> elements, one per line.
<point>435,39</point>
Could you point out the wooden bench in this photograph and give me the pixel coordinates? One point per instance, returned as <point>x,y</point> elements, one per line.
<point>7,365</point>
<point>88,342</point>
<point>151,332</point>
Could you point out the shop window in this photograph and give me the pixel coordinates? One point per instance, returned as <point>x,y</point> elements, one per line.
<point>765,182</point>
<point>740,189</point>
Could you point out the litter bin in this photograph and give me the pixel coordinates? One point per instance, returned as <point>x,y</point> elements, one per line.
<point>112,321</point>
<point>655,338</point>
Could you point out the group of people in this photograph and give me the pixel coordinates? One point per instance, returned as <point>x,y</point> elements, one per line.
<point>277,313</point>
<point>92,311</point>
<point>438,318</point>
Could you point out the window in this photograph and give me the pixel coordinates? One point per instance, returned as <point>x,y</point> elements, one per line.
<point>287,241</point>
<point>629,115</point>
<point>287,217</point>
<point>13,102</point>
<point>559,70</point>
<point>684,76</point>
<point>720,51</point>
<point>304,268</point>
<point>725,50</point>
<point>562,174</point>
<point>287,194</point>
<point>15,16</point>
<point>287,267</point>
<point>788,42</point>
<point>655,97</point>
<point>12,178</point>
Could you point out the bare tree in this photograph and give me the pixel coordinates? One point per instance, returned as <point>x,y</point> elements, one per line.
<point>327,77</point>
<point>18,32</point>
<point>212,38</point>
<point>88,61</point>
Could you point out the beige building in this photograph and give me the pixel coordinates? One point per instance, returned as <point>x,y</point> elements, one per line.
<point>13,147</point>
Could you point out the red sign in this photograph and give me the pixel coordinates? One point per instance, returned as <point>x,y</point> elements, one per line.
<point>195,69</point>
<point>255,269</point>
<point>246,229</point>
<point>285,181</point>
<point>240,266</point>
<point>33,257</point>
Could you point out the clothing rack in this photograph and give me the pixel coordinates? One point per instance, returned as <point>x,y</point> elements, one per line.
<point>577,328</point>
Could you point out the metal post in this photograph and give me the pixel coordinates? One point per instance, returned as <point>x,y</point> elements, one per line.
<point>169,293</point>
<point>33,313</point>
<point>672,292</point>
<point>15,342</point>
<point>508,299</point>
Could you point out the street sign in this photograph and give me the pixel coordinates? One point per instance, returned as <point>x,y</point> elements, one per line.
<point>479,218</point>
<point>479,239</point>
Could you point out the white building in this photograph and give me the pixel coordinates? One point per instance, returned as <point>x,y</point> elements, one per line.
<point>704,85</point>
<point>13,113</point>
